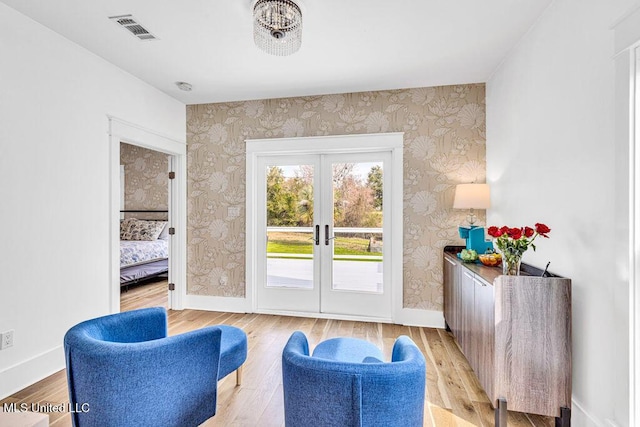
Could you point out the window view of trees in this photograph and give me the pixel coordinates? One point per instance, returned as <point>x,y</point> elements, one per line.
<point>357,203</point>
<point>357,199</point>
<point>374,182</point>
<point>289,199</point>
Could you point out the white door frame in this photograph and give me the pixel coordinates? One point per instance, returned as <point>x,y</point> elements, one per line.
<point>634,242</point>
<point>123,131</point>
<point>392,141</point>
<point>626,43</point>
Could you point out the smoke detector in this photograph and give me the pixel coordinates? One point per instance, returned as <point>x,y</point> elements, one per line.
<point>184,86</point>
<point>131,24</point>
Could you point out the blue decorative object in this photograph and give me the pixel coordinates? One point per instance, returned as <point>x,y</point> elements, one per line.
<point>475,239</point>
<point>330,392</point>
<point>125,371</point>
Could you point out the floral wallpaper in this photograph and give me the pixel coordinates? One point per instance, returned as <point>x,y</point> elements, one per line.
<point>145,180</point>
<point>444,144</point>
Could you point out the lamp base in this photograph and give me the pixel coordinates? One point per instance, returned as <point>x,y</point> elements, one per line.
<point>471,218</point>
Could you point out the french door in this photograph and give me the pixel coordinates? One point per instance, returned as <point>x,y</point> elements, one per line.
<point>323,234</point>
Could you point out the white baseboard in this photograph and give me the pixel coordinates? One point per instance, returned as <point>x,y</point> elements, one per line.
<point>210,303</point>
<point>21,375</point>
<point>423,318</point>
<point>583,418</point>
<point>333,316</point>
<point>406,316</point>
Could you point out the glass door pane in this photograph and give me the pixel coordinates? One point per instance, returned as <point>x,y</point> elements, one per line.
<point>290,231</point>
<point>357,226</point>
<point>288,274</point>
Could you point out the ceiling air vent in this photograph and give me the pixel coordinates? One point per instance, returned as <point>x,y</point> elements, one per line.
<point>129,23</point>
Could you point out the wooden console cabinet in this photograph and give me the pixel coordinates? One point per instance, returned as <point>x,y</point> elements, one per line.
<point>515,331</point>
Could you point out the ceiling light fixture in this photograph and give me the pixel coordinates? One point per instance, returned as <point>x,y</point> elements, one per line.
<point>184,86</point>
<point>277,26</point>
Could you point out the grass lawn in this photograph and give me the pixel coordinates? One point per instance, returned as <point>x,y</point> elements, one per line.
<point>302,243</point>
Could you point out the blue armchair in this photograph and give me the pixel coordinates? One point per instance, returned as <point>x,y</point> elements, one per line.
<point>123,370</point>
<point>327,392</point>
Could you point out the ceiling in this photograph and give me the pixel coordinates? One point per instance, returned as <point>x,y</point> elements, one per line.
<point>347,45</point>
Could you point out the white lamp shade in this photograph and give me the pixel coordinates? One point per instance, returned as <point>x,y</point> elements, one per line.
<point>472,196</point>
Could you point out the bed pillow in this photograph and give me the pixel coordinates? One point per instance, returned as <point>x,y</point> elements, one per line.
<point>143,230</point>
<point>164,235</point>
<point>125,225</point>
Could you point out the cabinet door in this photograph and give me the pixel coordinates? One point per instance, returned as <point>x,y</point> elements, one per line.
<point>450,275</point>
<point>466,315</point>
<point>484,336</point>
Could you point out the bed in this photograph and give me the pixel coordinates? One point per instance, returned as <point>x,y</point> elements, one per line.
<point>144,250</point>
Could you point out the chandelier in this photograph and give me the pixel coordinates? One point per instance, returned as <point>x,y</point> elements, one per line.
<point>277,26</point>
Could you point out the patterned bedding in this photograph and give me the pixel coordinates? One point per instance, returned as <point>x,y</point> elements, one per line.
<point>134,252</point>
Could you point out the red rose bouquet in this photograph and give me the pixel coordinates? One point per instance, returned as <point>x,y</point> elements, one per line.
<point>513,243</point>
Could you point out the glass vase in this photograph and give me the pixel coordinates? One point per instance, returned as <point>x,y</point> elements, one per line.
<point>511,265</point>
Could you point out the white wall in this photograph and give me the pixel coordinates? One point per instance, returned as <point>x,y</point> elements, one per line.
<point>54,187</point>
<point>552,158</point>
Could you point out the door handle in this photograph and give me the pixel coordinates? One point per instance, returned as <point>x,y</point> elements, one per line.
<point>326,235</point>
<point>317,238</point>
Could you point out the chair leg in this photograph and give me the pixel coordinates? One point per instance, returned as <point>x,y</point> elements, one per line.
<point>239,375</point>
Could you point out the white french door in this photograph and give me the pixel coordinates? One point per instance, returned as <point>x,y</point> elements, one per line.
<point>322,234</point>
<point>288,273</point>
<point>355,280</point>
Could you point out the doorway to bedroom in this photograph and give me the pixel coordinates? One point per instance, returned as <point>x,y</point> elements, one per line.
<point>145,191</point>
<point>121,131</point>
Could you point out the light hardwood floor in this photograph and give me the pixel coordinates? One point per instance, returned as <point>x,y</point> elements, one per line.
<point>453,398</point>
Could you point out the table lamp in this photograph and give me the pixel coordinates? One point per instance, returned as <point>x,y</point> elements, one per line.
<point>473,196</point>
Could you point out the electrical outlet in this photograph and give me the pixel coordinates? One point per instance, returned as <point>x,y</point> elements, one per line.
<point>6,339</point>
